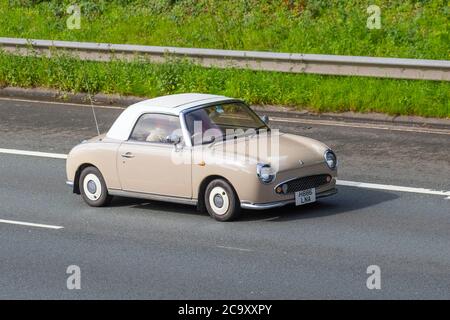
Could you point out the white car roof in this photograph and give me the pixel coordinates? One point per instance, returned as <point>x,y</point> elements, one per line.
<point>171,104</point>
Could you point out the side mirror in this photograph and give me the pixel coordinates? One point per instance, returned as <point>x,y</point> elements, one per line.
<point>173,139</point>
<point>265,119</point>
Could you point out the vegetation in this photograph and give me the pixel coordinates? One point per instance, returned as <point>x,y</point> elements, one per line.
<point>312,92</point>
<point>409,28</point>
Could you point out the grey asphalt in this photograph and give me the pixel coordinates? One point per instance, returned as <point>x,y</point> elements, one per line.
<point>138,249</point>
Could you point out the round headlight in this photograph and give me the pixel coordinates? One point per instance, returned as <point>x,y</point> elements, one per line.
<point>265,173</point>
<point>330,159</point>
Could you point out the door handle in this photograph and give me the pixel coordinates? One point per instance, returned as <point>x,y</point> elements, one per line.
<point>127,155</point>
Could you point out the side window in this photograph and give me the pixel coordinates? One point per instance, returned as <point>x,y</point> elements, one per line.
<point>155,128</point>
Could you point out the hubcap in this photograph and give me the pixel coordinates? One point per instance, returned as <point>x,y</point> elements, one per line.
<point>219,201</point>
<point>92,187</point>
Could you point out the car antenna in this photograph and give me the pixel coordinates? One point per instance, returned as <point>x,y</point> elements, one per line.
<point>93,112</point>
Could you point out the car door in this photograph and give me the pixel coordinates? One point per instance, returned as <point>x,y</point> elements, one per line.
<point>148,163</point>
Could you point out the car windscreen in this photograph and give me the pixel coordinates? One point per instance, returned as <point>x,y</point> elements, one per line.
<point>218,120</point>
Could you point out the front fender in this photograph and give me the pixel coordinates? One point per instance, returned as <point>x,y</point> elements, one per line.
<point>101,155</point>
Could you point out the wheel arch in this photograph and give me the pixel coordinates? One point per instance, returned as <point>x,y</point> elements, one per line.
<point>202,188</point>
<point>76,181</point>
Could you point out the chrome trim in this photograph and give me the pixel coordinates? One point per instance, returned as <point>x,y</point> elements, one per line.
<point>151,196</point>
<point>277,204</point>
<point>69,183</point>
<point>148,143</point>
<point>264,206</point>
<point>186,135</point>
<point>127,155</point>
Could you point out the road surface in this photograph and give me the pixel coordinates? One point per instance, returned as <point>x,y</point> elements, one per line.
<point>155,250</point>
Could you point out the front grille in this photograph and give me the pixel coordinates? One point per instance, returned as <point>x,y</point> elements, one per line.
<point>307,182</point>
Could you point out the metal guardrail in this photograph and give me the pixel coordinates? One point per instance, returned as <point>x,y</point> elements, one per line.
<point>255,60</point>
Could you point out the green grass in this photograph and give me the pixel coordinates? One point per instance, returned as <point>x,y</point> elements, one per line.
<point>410,28</point>
<point>302,91</point>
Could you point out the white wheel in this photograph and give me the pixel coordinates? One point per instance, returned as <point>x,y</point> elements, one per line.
<point>219,201</point>
<point>92,187</point>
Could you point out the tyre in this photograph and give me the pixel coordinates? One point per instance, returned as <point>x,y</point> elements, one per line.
<point>221,201</point>
<point>93,188</point>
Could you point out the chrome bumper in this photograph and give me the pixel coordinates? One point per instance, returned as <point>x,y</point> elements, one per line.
<point>69,183</point>
<point>277,204</point>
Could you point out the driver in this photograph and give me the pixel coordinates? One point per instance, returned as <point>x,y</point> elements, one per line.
<point>199,120</point>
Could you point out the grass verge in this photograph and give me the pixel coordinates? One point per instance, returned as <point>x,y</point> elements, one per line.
<point>408,28</point>
<point>303,91</point>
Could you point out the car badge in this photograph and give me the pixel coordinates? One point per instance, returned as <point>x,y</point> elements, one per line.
<point>301,163</point>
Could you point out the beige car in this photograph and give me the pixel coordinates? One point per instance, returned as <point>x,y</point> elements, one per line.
<point>205,150</point>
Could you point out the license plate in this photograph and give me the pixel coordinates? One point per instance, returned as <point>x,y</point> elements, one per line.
<point>305,196</point>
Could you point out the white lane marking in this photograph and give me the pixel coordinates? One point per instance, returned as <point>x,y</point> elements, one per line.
<point>62,103</point>
<point>235,248</point>
<point>34,153</point>
<point>362,125</point>
<point>363,185</point>
<point>393,188</point>
<point>29,224</point>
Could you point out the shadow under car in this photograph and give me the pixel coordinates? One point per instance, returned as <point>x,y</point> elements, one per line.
<point>346,200</point>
